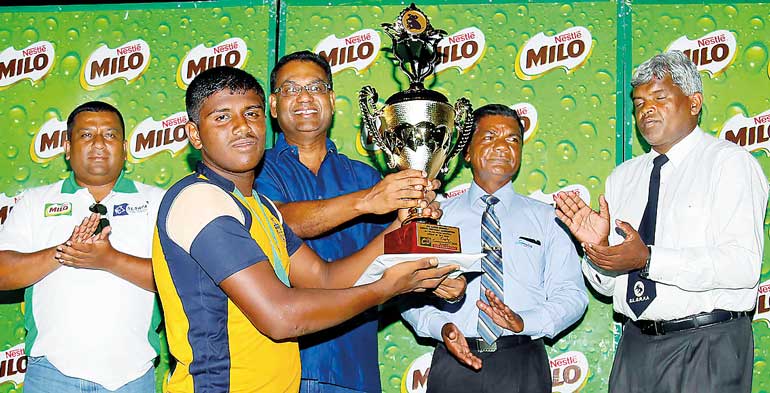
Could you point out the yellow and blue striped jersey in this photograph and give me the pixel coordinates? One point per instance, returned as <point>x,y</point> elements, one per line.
<point>207,231</point>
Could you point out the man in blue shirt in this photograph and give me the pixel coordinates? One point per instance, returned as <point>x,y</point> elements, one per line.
<point>336,205</point>
<point>540,289</point>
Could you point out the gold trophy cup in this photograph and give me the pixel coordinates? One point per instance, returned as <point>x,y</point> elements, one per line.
<point>418,128</point>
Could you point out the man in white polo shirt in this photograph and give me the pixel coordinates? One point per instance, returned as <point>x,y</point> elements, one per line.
<point>90,310</point>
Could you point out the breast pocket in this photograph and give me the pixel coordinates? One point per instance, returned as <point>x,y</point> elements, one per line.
<point>526,263</point>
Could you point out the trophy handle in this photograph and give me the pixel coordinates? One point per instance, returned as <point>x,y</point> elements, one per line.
<point>367,99</point>
<point>464,125</point>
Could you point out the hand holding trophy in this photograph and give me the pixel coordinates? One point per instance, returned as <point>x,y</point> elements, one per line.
<point>418,128</point>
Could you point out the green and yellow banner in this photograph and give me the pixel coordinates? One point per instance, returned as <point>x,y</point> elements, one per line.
<point>138,57</point>
<point>564,66</point>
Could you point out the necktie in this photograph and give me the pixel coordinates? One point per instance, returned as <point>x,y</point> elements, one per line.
<point>641,291</point>
<point>492,266</point>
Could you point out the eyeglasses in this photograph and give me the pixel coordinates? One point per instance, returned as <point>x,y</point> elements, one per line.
<point>291,89</point>
<point>103,222</point>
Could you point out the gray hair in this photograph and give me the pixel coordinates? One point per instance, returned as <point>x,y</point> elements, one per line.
<point>675,63</point>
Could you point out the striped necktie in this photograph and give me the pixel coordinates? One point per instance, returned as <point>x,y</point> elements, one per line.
<point>492,266</point>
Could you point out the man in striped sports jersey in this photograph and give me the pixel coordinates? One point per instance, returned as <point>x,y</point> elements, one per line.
<point>237,285</point>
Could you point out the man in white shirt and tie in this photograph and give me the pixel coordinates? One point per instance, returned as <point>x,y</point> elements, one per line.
<point>677,243</point>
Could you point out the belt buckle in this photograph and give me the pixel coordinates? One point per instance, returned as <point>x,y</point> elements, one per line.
<point>657,328</point>
<point>484,347</point>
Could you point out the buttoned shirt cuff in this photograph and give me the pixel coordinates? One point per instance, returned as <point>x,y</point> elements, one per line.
<point>435,324</point>
<point>656,271</point>
<point>536,323</point>
<point>603,283</point>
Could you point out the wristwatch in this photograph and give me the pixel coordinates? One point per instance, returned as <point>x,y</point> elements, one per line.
<point>645,272</point>
<point>455,300</point>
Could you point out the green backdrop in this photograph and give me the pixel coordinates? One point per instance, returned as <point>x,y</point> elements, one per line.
<point>565,66</point>
<point>171,31</point>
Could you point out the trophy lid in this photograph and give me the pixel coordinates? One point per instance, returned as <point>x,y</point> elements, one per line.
<point>413,94</point>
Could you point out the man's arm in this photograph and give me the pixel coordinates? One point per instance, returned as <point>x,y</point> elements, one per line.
<point>22,269</point>
<point>219,242</point>
<point>424,317</point>
<point>588,226</point>
<point>308,270</point>
<point>732,257</point>
<point>281,312</point>
<point>396,191</point>
<point>313,272</point>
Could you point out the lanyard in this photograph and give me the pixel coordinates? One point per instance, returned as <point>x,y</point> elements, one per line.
<point>263,220</point>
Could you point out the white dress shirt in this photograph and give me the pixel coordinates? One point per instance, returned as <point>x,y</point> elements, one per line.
<point>709,233</point>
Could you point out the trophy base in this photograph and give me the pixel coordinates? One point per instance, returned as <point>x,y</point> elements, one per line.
<point>423,238</point>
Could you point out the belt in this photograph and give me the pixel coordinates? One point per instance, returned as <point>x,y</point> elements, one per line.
<point>479,345</point>
<point>659,328</point>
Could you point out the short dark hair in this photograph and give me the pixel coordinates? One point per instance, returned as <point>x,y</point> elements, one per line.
<point>93,106</point>
<point>214,80</point>
<point>304,55</point>
<point>493,110</point>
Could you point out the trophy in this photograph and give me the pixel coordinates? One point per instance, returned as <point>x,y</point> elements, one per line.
<point>417,127</point>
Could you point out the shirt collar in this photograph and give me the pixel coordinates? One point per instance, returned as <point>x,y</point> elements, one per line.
<point>505,194</point>
<point>681,149</point>
<point>126,186</point>
<point>214,177</point>
<point>281,145</point>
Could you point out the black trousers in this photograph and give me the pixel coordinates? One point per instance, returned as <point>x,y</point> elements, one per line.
<point>520,369</point>
<point>712,359</point>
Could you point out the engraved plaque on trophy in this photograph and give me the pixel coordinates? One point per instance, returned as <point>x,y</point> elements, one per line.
<point>417,128</point>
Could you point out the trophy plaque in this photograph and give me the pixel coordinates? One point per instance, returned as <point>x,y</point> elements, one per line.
<point>417,128</point>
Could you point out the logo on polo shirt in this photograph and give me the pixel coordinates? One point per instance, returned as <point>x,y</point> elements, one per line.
<point>415,377</point>
<point>13,365</point>
<point>57,209</point>
<point>120,210</point>
<point>713,52</point>
<point>125,209</point>
<point>569,372</point>
<point>763,303</point>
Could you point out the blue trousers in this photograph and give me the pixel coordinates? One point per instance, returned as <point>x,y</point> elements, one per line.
<point>43,377</point>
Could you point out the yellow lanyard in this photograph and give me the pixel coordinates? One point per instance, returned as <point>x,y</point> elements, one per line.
<point>263,220</point>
